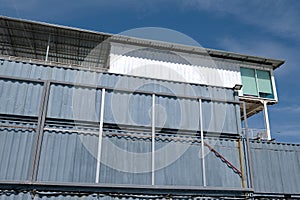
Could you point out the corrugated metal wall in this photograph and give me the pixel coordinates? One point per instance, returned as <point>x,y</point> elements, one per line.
<point>117,81</point>
<point>74,103</point>
<point>125,159</point>
<point>69,150</point>
<point>17,97</point>
<point>169,65</point>
<point>66,157</point>
<point>16,149</point>
<point>276,167</point>
<point>79,103</point>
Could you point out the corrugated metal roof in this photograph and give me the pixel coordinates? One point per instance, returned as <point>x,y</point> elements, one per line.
<point>69,48</point>
<point>30,40</point>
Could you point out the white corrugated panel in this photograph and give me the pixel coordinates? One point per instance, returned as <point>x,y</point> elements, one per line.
<point>167,65</point>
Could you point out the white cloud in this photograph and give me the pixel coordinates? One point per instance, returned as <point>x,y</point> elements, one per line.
<point>288,109</point>
<point>279,17</point>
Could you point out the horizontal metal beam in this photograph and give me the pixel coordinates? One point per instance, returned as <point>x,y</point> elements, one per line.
<point>12,78</point>
<point>125,189</point>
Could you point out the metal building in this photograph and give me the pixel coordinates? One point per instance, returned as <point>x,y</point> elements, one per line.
<point>92,115</point>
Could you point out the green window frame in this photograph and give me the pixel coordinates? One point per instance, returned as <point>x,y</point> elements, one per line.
<point>256,83</point>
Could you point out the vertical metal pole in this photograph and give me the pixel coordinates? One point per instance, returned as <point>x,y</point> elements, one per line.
<point>267,123</point>
<point>241,162</point>
<point>48,47</point>
<point>202,143</point>
<point>40,131</point>
<point>238,118</point>
<point>153,140</point>
<point>248,146</point>
<point>101,119</point>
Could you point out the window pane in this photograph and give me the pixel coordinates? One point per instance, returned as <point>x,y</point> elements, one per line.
<point>264,82</point>
<point>249,82</point>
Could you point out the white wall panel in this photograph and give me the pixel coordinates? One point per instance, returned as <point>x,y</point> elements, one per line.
<point>169,65</point>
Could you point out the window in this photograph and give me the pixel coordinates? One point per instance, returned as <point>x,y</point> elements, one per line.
<point>256,83</point>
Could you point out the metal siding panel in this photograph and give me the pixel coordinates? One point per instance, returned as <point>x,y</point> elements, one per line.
<point>76,103</point>
<point>275,167</point>
<point>129,109</point>
<point>14,195</point>
<point>58,146</point>
<point>15,151</point>
<point>218,173</point>
<point>125,160</point>
<point>20,98</point>
<point>176,113</point>
<point>167,113</point>
<point>199,71</point>
<point>67,157</point>
<point>230,120</point>
<point>178,163</point>
<point>111,80</point>
<point>219,117</point>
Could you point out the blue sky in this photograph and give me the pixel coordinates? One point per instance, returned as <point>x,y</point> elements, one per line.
<point>265,28</point>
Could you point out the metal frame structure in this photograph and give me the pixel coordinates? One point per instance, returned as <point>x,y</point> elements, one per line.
<point>49,44</point>
<point>42,120</point>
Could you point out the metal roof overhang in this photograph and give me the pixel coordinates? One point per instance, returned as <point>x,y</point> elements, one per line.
<point>73,46</point>
<point>30,40</point>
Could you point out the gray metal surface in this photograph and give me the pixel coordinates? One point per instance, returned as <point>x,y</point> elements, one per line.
<point>125,160</point>
<point>8,195</point>
<point>20,98</point>
<point>68,152</point>
<point>217,172</point>
<point>276,167</point>
<point>44,72</point>
<point>78,103</point>
<point>15,149</point>
<point>67,157</point>
<point>63,106</point>
<point>186,170</point>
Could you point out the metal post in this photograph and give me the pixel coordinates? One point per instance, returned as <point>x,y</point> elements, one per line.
<point>202,143</point>
<point>153,140</point>
<point>48,47</point>
<point>40,130</point>
<point>248,146</point>
<point>241,163</point>
<point>267,123</point>
<point>100,135</point>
